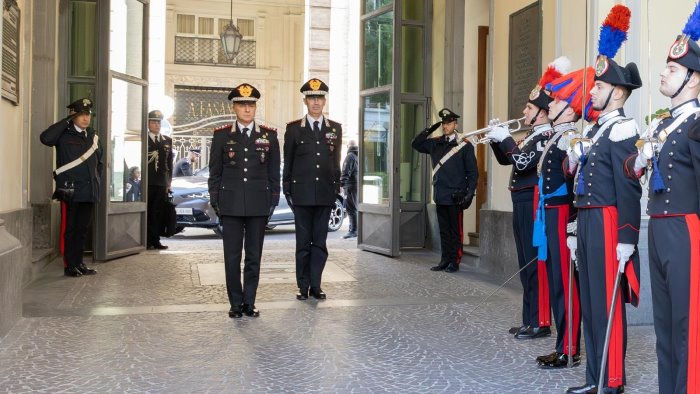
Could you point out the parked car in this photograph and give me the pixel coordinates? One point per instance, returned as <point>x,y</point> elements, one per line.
<point>191,198</point>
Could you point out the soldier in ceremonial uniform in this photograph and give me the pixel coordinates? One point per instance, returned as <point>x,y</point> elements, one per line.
<point>77,176</point>
<point>674,206</point>
<point>160,174</point>
<point>311,181</point>
<point>523,157</point>
<point>455,175</point>
<point>183,167</point>
<point>608,213</point>
<point>555,212</point>
<point>244,188</point>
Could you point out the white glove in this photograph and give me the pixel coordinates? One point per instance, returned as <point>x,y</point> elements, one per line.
<point>572,244</point>
<point>571,228</point>
<point>646,153</point>
<point>624,252</point>
<point>497,133</point>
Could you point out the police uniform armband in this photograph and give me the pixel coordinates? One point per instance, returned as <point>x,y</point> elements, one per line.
<point>623,130</point>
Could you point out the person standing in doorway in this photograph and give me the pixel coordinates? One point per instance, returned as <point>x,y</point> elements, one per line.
<point>348,180</point>
<point>311,181</point>
<point>133,185</point>
<point>455,175</point>
<point>244,189</point>
<point>160,174</point>
<point>79,162</point>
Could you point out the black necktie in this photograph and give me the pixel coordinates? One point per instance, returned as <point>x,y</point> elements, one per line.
<point>245,132</point>
<point>317,131</point>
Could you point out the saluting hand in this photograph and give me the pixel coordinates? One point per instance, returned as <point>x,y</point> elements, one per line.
<point>434,127</point>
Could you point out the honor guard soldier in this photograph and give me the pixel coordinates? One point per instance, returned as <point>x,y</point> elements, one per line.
<point>244,188</point>
<point>608,212</point>
<point>455,175</point>
<point>79,162</point>
<point>555,212</point>
<point>671,153</point>
<point>523,156</point>
<point>183,167</point>
<point>160,174</point>
<point>311,181</point>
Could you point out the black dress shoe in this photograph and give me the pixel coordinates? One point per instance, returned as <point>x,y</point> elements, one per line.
<point>561,361</point>
<point>74,272</point>
<point>303,294</point>
<point>440,267</point>
<point>160,247</point>
<point>585,389</point>
<point>85,270</point>
<point>235,312</point>
<point>452,268</point>
<point>532,333</point>
<point>515,330</point>
<point>250,310</point>
<point>317,293</point>
<point>547,358</point>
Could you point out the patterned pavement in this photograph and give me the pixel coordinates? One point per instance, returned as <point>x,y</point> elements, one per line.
<point>154,323</point>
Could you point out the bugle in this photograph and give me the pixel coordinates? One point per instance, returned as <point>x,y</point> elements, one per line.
<point>483,139</point>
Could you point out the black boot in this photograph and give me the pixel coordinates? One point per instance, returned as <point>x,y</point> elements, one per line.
<point>352,231</point>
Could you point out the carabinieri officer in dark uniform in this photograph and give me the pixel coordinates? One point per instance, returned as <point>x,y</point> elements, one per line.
<point>674,209</point>
<point>160,174</point>
<point>454,183</point>
<point>244,188</point>
<point>523,157</point>
<point>78,174</point>
<point>311,181</point>
<point>608,219</point>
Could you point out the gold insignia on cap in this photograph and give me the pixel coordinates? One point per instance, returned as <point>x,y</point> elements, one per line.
<point>443,113</point>
<point>535,92</point>
<point>601,66</point>
<point>245,90</point>
<point>679,48</point>
<point>315,84</point>
<point>86,102</point>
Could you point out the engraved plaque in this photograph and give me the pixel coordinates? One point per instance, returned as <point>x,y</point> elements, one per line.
<point>524,56</point>
<point>10,51</point>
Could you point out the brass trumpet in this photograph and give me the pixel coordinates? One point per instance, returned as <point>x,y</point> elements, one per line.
<point>484,139</point>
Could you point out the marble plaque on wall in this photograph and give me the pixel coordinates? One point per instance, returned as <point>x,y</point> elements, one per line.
<point>524,56</point>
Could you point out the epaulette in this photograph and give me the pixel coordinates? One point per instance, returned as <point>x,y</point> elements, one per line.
<point>267,128</point>
<point>226,126</point>
<point>294,121</point>
<point>694,130</point>
<point>623,129</point>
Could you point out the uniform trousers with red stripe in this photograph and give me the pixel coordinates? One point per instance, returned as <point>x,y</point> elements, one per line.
<point>450,222</point>
<point>597,265</point>
<point>674,256</point>
<point>523,223</point>
<point>558,266</point>
<point>75,219</point>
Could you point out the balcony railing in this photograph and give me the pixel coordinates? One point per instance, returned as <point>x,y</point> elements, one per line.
<point>208,51</point>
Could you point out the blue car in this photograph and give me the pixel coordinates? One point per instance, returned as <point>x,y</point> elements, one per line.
<point>191,198</point>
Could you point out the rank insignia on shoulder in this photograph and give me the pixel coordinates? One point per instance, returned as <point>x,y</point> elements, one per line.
<point>624,129</point>
<point>227,126</point>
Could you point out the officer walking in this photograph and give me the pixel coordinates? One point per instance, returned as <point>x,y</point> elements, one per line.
<point>183,167</point>
<point>244,188</point>
<point>160,174</point>
<point>523,157</point>
<point>311,181</point>
<point>455,175</point>
<point>673,154</point>
<point>608,215</point>
<point>77,176</point>
<point>348,179</point>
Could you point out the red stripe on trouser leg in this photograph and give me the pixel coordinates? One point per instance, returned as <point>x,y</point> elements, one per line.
<point>694,302</point>
<point>460,220</point>
<point>615,361</point>
<point>543,294</point>
<point>62,242</point>
<point>565,264</point>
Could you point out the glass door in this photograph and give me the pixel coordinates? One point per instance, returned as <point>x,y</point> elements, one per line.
<point>121,217</point>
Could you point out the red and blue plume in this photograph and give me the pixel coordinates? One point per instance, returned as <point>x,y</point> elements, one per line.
<point>614,31</point>
<point>570,88</point>
<point>692,27</point>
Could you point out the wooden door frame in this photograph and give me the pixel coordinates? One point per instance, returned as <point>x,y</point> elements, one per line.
<point>481,187</point>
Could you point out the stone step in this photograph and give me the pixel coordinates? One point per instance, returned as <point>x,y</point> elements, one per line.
<point>473,239</point>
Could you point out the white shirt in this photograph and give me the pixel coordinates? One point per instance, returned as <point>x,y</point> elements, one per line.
<point>311,121</point>
<point>249,127</point>
<point>155,137</point>
<point>79,130</point>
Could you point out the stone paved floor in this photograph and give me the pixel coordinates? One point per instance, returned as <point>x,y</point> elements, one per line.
<point>146,323</point>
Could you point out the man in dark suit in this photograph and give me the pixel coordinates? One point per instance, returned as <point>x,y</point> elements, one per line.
<point>183,167</point>
<point>244,188</point>
<point>78,173</point>
<point>348,179</point>
<point>160,174</point>
<point>311,180</point>
<point>455,175</point>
